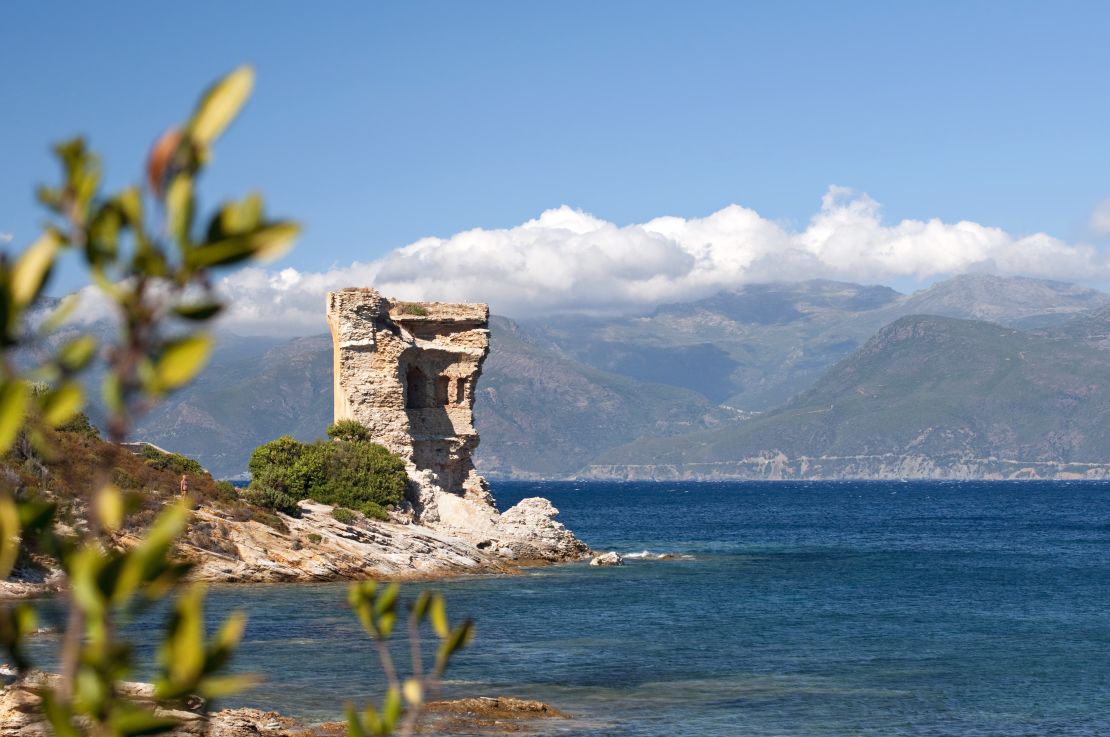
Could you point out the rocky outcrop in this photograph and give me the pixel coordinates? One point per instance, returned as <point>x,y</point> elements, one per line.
<point>611,558</point>
<point>318,547</point>
<point>407,371</point>
<point>21,713</point>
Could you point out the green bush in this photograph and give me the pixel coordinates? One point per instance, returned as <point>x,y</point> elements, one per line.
<point>349,430</point>
<point>80,425</point>
<point>172,462</point>
<point>314,538</point>
<point>412,308</point>
<point>375,511</point>
<point>224,491</point>
<point>125,480</point>
<point>270,498</point>
<point>343,515</point>
<point>355,474</point>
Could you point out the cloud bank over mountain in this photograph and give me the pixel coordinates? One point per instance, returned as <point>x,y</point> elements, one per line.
<point>567,259</point>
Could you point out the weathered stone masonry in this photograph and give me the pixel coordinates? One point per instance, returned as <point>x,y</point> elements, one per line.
<point>407,370</point>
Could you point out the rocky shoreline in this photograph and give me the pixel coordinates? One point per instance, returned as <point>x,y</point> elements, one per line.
<point>316,546</point>
<point>21,706</point>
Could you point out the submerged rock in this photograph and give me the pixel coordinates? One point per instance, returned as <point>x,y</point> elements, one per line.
<point>486,715</point>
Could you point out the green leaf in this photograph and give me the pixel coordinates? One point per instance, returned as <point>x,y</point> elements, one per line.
<point>10,530</point>
<point>13,410</point>
<point>198,311</point>
<point>180,205</point>
<point>111,391</point>
<point>60,716</point>
<point>459,638</point>
<point>36,515</point>
<point>58,317</point>
<point>109,507</point>
<point>220,104</point>
<point>391,709</point>
<point>84,569</point>
<point>102,245</point>
<point>231,633</point>
<point>92,693</point>
<point>420,607</point>
<point>131,721</point>
<point>30,271</point>
<point>16,623</point>
<point>149,559</point>
<point>184,647</point>
<point>114,291</point>
<point>267,243</point>
<point>386,601</point>
<point>60,405</point>
<point>218,687</point>
<point>130,202</point>
<point>181,360</point>
<point>355,727</point>
<point>236,218</point>
<point>437,612</point>
<point>75,354</point>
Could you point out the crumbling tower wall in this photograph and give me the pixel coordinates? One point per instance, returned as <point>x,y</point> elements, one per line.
<point>407,370</point>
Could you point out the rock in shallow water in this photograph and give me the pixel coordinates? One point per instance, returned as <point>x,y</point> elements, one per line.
<point>608,559</point>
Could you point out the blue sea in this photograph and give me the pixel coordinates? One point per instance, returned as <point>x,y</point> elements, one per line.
<point>808,609</point>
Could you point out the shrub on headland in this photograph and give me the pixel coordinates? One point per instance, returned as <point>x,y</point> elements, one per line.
<point>346,472</point>
<point>343,515</point>
<point>271,498</point>
<point>172,462</point>
<point>350,430</point>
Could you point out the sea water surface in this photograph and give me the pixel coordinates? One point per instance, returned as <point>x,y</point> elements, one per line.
<point>813,609</point>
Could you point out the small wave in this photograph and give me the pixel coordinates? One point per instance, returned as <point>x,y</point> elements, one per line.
<point>648,555</point>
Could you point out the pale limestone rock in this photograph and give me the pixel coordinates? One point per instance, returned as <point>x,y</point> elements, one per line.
<point>608,559</point>
<point>407,371</point>
<point>532,532</point>
<point>318,547</point>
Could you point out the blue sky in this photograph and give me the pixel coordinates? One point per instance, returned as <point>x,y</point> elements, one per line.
<point>377,125</point>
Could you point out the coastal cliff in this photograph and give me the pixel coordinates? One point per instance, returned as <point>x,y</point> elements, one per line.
<point>407,371</point>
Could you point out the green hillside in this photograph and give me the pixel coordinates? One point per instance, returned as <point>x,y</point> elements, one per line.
<point>927,386</point>
<point>540,414</point>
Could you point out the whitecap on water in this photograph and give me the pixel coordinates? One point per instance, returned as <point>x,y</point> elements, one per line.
<point>648,555</point>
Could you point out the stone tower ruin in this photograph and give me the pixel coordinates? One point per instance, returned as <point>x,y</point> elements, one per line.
<point>407,371</point>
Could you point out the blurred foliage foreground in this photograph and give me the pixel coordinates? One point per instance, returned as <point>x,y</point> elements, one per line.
<point>146,257</point>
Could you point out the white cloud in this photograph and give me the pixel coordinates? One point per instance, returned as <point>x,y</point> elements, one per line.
<point>1100,218</point>
<point>569,260</point>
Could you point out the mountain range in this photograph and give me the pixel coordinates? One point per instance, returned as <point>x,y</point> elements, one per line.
<point>737,378</point>
<point>927,396</point>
